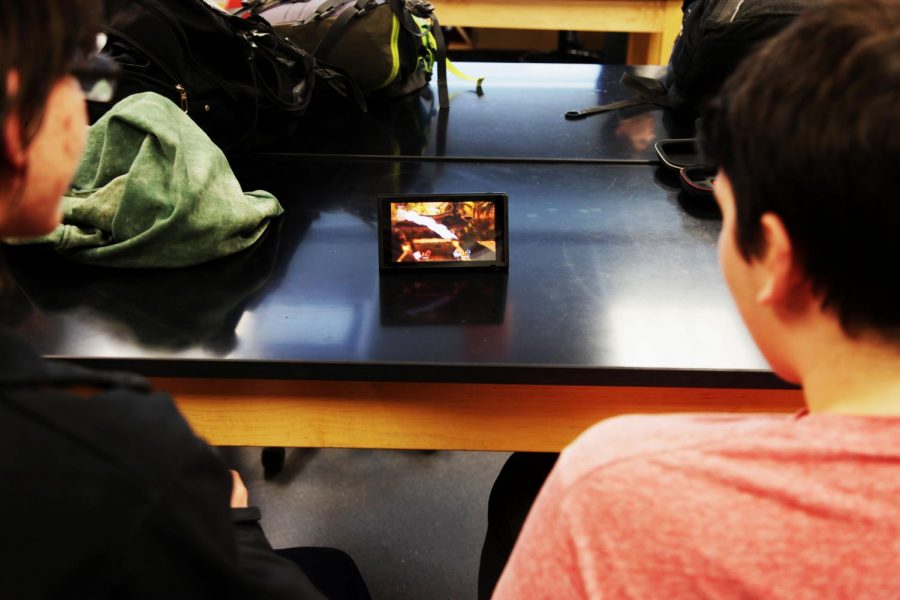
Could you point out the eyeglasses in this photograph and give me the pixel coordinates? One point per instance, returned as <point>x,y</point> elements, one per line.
<point>98,76</point>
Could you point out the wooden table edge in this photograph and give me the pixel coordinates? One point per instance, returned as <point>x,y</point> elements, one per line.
<point>434,416</point>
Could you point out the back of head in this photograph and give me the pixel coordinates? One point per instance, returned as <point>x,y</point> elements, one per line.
<point>39,40</point>
<point>808,128</point>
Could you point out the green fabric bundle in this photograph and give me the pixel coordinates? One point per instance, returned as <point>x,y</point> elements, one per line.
<point>154,191</point>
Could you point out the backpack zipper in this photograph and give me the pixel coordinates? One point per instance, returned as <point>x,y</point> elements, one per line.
<point>179,87</point>
<point>184,97</point>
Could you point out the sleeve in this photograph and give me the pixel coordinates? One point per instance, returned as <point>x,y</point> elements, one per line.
<point>188,542</point>
<point>544,561</point>
<point>258,560</point>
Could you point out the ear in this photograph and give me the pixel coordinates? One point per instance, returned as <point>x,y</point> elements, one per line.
<point>12,127</point>
<point>780,273</point>
<point>12,140</point>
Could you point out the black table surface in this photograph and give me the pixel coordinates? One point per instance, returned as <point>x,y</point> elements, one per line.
<point>613,280</point>
<point>519,116</point>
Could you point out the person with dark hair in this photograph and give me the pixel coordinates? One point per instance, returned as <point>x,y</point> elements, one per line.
<point>806,133</point>
<point>107,491</point>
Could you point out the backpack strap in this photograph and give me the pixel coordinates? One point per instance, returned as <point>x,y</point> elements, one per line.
<point>425,10</point>
<point>574,115</point>
<point>336,31</point>
<point>649,90</point>
<point>441,59</point>
<point>405,17</point>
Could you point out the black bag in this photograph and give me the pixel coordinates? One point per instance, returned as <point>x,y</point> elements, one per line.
<point>715,36</point>
<point>239,81</point>
<point>388,47</point>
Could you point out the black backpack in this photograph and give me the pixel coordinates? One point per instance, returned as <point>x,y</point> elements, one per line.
<point>715,36</point>
<point>241,83</point>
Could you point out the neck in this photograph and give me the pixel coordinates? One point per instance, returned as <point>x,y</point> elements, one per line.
<point>853,376</point>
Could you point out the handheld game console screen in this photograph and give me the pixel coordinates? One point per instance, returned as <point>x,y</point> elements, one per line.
<point>434,230</point>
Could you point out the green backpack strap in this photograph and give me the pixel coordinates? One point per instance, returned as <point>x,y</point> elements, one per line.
<point>424,9</point>
<point>478,81</point>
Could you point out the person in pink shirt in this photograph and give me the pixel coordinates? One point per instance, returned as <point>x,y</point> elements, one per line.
<point>806,135</point>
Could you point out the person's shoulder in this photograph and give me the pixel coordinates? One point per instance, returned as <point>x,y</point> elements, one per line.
<point>142,415</point>
<point>146,429</point>
<point>135,431</point>
<point>113,416</point>
<point>633,439</point>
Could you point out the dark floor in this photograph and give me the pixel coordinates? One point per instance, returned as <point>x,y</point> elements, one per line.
<point>412,521</point>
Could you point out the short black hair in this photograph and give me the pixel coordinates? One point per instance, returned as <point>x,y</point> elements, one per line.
<point>40,39</point>
<point>808,128</point>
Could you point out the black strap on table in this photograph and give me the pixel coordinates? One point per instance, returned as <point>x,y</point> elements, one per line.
<point>573,115</point>
<point>649,90</point>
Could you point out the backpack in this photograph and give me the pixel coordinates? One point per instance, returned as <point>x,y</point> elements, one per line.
<point>241,83</point>
<point>388,47</point>
<point>715,36</point>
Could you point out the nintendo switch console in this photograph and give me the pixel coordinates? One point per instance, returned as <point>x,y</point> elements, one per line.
<point>443,231</point>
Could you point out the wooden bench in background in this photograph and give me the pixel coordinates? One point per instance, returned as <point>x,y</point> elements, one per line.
<point>653,25</point>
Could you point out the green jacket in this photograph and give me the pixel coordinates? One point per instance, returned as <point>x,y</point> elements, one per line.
<point>154,191</point>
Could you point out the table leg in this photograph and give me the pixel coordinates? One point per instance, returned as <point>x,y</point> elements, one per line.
<point>655,48</point>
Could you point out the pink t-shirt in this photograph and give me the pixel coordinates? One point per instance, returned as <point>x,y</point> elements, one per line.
<point>717,506</point>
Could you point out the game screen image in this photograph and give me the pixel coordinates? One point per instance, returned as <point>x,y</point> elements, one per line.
<point>443,231</point>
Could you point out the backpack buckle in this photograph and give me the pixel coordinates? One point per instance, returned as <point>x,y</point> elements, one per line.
<point>324,14</point>
<point>246,35</point>
<point>364,7</point>
<point>421,8</point>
